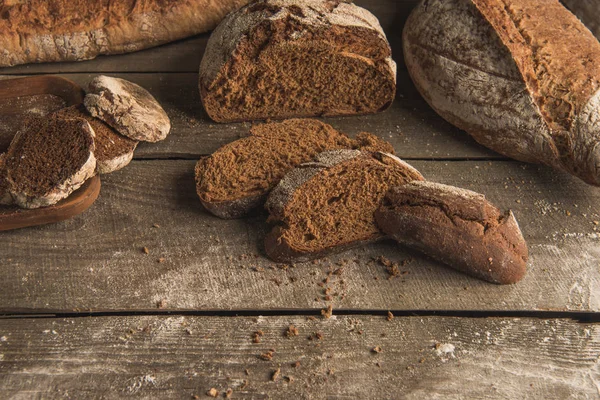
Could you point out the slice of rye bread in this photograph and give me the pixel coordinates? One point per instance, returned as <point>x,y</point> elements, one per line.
<point>48,159</point>
<point>5,197</point>
<point>457,227</point>
<point>113,151</point>
<point>297,58</point>
<point>238,177</point>
<point>327,206</point>
<point>128,108</point>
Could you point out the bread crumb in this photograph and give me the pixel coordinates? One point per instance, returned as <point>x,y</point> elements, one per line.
<point>212,392</point>
<point>228,393</point>
<point>296,364</point>
<point>390,316</point>
<point>291,331</point>
<point>161,260</point>
<point>145,250</point>
<point>328,312</point>
<point>289,379</point>
<point>268,356</point>
<point>155,225</point>
<point>376,349</point>
<point>256,336</point>
<point>276,374</point>
<point>162,303</point>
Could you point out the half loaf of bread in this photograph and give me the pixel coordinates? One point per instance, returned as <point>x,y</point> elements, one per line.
<point>457,227</point>
<point>237,177</point>
<point>297,58</point>
<point>328,205</point>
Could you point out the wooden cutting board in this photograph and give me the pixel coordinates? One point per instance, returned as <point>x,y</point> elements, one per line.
<point>37,96</point>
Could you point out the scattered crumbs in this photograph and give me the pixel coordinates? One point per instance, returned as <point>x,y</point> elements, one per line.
<point>328,312</point>
<point>228,393</point>
<point>390,316</point>
<point>422,360</point>
<point>392,268</point>
<point>289,379</point>
<point>145,250</point>
<point>188,331</point>
<point>330,371</point>
<point>376,349</point>
<point>268,356</point>
<point>296,364</point>
<point>162,303</point>
<point>161,260</point>
<point>155,225</point>
<point>212,392</point>
<point>518,201</point>
<point>256,336</point>
<point>244,384</point>
<point>247,372</point>
<point>195,397</point>
<point>316,336</point>
<point>291,331</point>
<point>276,374</point>
<point>568,213</point>
<point>595,222</point>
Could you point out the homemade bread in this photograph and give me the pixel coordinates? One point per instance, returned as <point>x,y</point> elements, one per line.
<point>328,205</point>
<point>112,150</point>
<point>48,159</point>
<point>238,176</point>
<point>457,227</point>
<point>128,108</point>
<point>34,31</point>
<point>297,58</point>
<point>521,76</point>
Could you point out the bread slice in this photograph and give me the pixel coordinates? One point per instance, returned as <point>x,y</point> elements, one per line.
<point>238,176</point>
<point>5,197</point>
<point>48,159</point>
<point>457,227</point>
<point>113,151</point>
<point>128,108</point>
<point>327,206</point>
<point>297,58</point>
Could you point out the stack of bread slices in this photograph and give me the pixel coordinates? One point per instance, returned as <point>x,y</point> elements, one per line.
<point>52,156</point>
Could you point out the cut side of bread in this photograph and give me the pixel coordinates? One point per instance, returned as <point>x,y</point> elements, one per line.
<point>297,58</point>
<point>238,177</point>
<point>113,151</point>
<point>457,227</point>
<point>328,205</point>
<point>48,159</point>
<point>128,108</point>
<point>5,197</point>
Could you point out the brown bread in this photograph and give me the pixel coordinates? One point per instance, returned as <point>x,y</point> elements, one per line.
<point>297,58</point>
<point>457,227</point>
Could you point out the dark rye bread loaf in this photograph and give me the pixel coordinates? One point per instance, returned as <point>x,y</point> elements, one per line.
<point>328,205</point>
<point>48,159</point>
<point>457,227</point>
<point>128,108</point>
<point>588,11</point>
<point>34,31</point>
<point>5,197</point>
<point>112,150</point>
<point>297,58</point>
<point>521,76</point>
<point>238,177</point>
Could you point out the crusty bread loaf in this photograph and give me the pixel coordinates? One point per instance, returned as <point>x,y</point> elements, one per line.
<point>297,58</point>
<point>128,108</point>
<point>5,197</point>
<point>237,177</point>
<point>521,76</point>
<point>457,227</point>
<point>328,205</point>
<point>112,150</point>
<point>34,31</point>
<point>588,11</point>
<point>48,159</point>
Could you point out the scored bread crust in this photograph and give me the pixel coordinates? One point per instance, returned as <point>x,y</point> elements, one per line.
<point>502,70</point>
<point>238,27</point>
<point>457,227</point>
<point>128,108</point>
<point>277,247</point>
<point>62,189</point>
<point>33,31</point>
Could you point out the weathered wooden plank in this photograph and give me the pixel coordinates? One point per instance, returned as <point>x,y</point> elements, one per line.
<point>410,125</point>
<point>181,357</point>
<point>197,261</point>
<point>185,55</point>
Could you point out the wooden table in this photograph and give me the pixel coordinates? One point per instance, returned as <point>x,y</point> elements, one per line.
<point>87,314</point>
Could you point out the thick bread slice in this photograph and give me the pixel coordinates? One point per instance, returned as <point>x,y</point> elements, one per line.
<point>328,205</point>
<point>521,76</point>
<point>297,58</point>
<point>34,31</point>
<point>128,108</point>
<point>5,197</point>
<point>48,159</point>
<point>113,151</point>
<point>238,177</point>
<point>457,227</point>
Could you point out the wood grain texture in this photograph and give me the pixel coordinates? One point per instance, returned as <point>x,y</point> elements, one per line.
<point>180,357</point>
<point>96,261</point>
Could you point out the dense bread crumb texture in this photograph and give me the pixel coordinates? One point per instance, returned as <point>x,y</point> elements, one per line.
<point>74,30</point>
<point>328,205</point>
<point>128,108</point>
<point>457,227</point>
<point>48,159</point>
<point>112,150</point>
<point>521,76</point>
<point>5,197</point>
<point>238,176</point>
<point>297,58</point>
